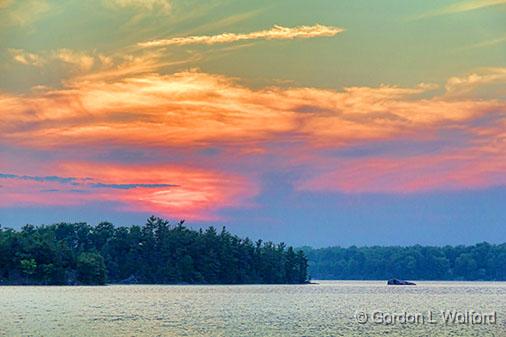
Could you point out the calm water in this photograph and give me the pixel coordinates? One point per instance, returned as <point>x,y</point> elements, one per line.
<point>326,309</point>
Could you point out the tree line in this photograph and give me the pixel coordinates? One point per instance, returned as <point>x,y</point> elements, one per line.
<point>482,261</point>
<point>156,253</point>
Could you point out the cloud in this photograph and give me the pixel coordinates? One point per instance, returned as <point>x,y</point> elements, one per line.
<point>92,66</point>
<point>476,167</point>
<point>80,60</point>
<point>39,178</point>
<point>85,182</point>
<point>127,65</point>
<point>159,109</point>
<point>26,58</point>
<point>462,7</point>
<point>196,109</point>
<point>130,186</point>
<point>180,115</point>
<point>487,43</point>
<point>459,86</point>
<point>471,6</point>
<point>197,195</point>
<point>22,13</point>
<point>275,33</point>
<point>163,6</point>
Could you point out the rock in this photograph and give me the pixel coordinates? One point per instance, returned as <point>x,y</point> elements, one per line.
<point>396,282</point>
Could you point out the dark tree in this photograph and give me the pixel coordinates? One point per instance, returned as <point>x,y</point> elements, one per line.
<point>91,268</point>
<point>157,252</point>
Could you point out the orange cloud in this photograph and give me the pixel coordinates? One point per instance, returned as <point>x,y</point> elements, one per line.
<point>184,108</point>
<point>275,33</point>
<point>193,109</point>
<point>83,61</point>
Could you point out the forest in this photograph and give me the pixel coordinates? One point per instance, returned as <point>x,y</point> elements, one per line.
<point>156,253</point>
<point>482,261</point>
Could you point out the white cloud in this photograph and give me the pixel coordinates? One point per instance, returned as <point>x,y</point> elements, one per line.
<point>463,85</point>
<point>275,33</point>
<point>21,56</point>
<point>461,7</point>
<point>161,5</point>
<point>81,60</point>
<point>22,13</point>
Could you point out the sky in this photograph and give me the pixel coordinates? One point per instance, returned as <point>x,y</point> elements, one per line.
<point>317,123</point>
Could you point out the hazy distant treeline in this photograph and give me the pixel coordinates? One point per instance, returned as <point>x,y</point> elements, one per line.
<point>156,252</point>
<point>479,262</point>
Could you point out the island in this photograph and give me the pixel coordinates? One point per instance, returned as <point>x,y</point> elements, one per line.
<point>157,252</point>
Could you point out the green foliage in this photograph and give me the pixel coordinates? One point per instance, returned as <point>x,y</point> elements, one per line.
<point>157,252</point>
<point>91,268</point>
<point>479,262</point>
<point>28,266</point>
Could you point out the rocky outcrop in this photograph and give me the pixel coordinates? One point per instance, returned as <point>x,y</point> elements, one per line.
<point>396,282</point>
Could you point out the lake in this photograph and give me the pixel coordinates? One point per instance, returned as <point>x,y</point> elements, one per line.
<point>330,308</point>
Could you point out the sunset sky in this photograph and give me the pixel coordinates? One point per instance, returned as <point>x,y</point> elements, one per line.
<point>311,122</point>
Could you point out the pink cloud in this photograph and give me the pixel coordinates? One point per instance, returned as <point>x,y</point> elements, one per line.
<point>173,191</point>
<point>470,168</point>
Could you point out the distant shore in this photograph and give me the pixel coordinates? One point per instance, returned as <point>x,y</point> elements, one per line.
<point>480,262</point>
